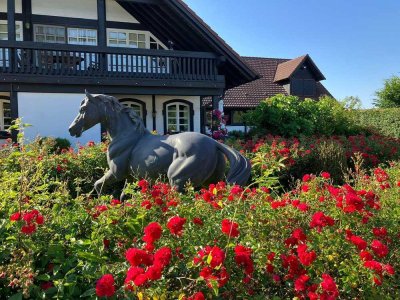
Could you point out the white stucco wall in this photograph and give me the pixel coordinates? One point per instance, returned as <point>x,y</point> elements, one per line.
<point>86,9</point>
<point>51,115</point>
<point>115,12</point>
<point>18,6</point>
<point>159,109</point>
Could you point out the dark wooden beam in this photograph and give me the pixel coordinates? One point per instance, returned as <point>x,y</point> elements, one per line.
<point>14,109</point>
<point>11,19</point>
<point>101,23</point>
<point>152,2</point>
<point>27,20</point>
<point>154,112</point>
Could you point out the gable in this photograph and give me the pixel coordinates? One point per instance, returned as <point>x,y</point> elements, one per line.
<point>85,9</point>
<point>173,20</point>
<point>117,13</point>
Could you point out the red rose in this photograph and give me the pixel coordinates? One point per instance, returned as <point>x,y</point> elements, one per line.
<point>320,220</point>
<point>28,229</point>
<point>131,275</point>
<point>137,257</point>
<point>162,257</point>
<point>175,225</point>
<point>306,178</point>
<point>230,228</point>
<point>46,285</point>
<point>15,217</point>
<point>152,233</point>
<point>197,296</point>
<point>198,221</point>
<point>329,287</point>
<point>326,175</point>
<point>306,257</point>
<point>358,242</point>
<point>380,250</point>
<point>105,286</point>
<point>300,283</point>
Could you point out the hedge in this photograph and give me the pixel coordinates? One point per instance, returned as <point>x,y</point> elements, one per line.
<point>380,121</point>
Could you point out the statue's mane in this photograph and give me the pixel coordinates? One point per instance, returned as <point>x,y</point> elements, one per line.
<point>115,105</point>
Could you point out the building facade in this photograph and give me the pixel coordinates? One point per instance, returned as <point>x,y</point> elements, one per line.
<point>156,56</point>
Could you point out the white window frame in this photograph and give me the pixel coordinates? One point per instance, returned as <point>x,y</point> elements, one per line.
<point>18,30</point>
<point>134,105</point>
<point>2,117</point>
<point>177,117</point>
<point>127,32</point>
<point>84,37</point>
<point>35,26</point>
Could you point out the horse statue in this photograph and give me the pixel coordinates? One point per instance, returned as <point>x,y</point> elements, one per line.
<point>133,150</point>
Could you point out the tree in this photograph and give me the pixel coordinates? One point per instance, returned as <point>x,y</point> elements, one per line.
<point>389,95</point>
<point>352,102</point>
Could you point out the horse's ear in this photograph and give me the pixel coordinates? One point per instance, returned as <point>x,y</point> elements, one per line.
<point>90,96</point>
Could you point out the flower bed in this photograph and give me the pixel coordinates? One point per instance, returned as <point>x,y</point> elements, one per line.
<point>316,241</point>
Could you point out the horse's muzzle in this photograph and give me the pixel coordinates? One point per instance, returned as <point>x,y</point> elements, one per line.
<point>76,128</point>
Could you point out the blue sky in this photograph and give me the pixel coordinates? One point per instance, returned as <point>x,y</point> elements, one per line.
<point>355,43</point>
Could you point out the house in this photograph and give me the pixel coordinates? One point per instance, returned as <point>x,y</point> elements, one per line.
<point>300,77</point>
<point>156,56</point>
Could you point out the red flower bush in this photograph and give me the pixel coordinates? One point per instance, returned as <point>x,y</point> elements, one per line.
<point>230,228</point>
<point>105,286</point>
<point>243,259</point>
<point>175,225</point>
<point>320,220</point>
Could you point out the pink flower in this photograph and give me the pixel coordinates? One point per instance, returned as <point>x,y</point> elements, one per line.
<point>326,175</point>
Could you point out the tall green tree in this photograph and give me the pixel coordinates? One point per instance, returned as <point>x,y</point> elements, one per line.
<point>389,95</point>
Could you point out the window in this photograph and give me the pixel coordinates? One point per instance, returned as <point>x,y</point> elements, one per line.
<point>127,39</point>
<point>137,105</point>
<point>62,35</point>
<point>178,116</point>
<point>4,30</point>
<point>49,34</point>
<point>237,117</point>
<point>5,114</point>
<point>133,39</point>
<point>82,36</point>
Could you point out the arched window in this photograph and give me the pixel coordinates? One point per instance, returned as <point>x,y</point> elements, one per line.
<point>5,113</point>
<point>178,116</point>
<point>137,105</point>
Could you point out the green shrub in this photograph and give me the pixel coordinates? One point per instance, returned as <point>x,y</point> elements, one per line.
<point>380,121</point>
<point>292,116</point>
<point>327,156</point>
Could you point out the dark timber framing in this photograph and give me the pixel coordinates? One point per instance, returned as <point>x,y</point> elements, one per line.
<point>27,26</point>
<point>14,109</point>
<point>154,112</point>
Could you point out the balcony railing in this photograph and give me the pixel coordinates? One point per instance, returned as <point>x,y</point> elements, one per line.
<point>28,58</point>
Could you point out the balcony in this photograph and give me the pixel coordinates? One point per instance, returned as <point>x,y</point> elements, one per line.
<point>36,63</point>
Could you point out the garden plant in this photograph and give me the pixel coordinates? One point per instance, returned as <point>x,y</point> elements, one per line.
<point>316,236</point>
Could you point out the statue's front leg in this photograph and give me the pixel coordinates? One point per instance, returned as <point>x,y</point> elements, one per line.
<point>108,179</point>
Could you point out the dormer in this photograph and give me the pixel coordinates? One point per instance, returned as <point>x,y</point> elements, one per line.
<point>299,76</point>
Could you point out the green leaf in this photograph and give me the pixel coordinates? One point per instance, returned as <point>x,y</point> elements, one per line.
<point>88,293</point>
<point>90,257</point>
<point>17,296</point>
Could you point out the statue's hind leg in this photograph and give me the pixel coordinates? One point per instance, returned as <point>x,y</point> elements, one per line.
<point>192,168</point>
<point>219,170</point>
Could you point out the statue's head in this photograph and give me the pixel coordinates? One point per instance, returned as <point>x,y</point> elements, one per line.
<point>88,116</point>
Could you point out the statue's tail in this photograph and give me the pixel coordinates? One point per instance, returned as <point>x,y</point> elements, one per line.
<point>240,168</point>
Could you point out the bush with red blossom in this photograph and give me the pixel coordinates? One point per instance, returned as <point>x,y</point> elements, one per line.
<point>313,239</point>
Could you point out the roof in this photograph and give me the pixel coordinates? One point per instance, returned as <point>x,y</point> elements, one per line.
<point>286,69</point>
<point>250,95</point>
<point>174,20</point>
